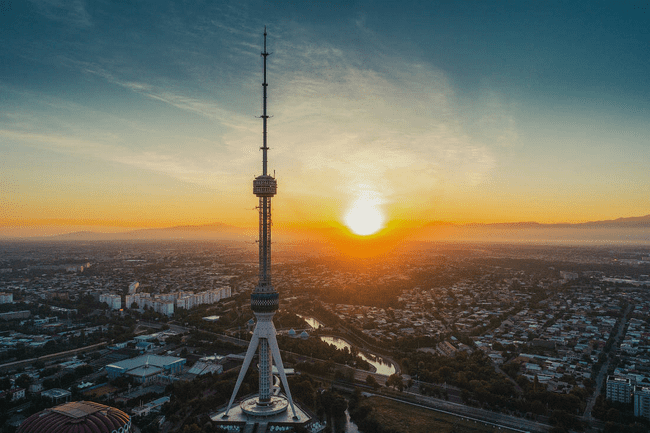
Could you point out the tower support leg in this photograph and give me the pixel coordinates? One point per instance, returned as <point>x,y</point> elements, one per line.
<point>275,350</point>
<point>250,353</point>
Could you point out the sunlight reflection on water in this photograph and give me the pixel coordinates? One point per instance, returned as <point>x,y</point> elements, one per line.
<point>315,324</point>
<point>383,367</point>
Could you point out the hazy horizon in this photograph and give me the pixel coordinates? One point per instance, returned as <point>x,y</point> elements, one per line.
<point>344,241</point>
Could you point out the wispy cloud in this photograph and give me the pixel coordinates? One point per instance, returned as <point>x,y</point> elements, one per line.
<point>207,108</point>
<point>497,123</point>
<point>349,119</point>
<point>71,12</point>
<point>393,127</point>
<point>189,169</point>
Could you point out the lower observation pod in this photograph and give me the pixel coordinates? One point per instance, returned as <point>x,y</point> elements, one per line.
<point>265,302</point>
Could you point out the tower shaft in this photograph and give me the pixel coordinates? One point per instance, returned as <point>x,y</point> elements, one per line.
<point>264,280</point>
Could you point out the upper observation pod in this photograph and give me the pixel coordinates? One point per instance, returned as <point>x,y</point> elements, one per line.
<point>265,186</point>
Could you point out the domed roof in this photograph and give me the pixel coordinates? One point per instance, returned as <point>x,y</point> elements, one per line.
<point>78,417</point>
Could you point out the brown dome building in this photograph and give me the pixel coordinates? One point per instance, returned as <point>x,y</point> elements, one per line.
<point>78,417</point>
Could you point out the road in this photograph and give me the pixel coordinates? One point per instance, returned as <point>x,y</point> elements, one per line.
<point>68,353</point>
<point>603,370</point>
<point>474,414</point>
<point>19,408</point>
<point>497,420</point>
<point>453,393</point>
<point>518,389</point>
<point>157,325</point>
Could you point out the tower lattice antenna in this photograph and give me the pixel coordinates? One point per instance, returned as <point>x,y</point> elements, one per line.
<point>265,85</point>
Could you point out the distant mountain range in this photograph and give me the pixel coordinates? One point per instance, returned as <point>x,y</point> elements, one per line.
<point>208,232</point>
<point>633,230</point>
<point>643,221</point>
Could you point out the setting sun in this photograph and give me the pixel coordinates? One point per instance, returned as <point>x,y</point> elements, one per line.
<point>364,217</point>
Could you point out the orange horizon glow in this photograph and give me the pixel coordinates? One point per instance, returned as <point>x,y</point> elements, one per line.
<point>336,238</point>
<point>388,224</point>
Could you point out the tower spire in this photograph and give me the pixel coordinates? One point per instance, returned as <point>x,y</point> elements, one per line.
<point>264,299</point>
<point>265,85</point>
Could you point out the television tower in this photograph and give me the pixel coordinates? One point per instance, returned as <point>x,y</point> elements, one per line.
<point>264,299</point>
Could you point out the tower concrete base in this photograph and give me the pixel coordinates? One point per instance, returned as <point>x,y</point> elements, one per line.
<point>248,413</point>
<point>252,406</point>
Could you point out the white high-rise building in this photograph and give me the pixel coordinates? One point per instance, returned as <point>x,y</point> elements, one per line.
<point>619,389</point>
<point>163,307</point>
<point>140,299</point>
<point>642,402</point>
<point>189,300</point>
<point>114,301</point>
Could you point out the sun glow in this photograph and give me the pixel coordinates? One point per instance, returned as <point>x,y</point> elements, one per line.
<point>364,217</point>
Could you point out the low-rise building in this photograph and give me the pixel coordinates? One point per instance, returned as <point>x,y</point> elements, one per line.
<point>57,395</point>
<point>152,406</point>
<point>145,369</point>
<point>15,393</point>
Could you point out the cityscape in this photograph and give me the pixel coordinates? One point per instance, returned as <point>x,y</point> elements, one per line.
<point>557,335</point>
<point>448,229</point>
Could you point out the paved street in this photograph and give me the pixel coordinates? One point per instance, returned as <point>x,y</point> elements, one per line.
<point>603,370</point>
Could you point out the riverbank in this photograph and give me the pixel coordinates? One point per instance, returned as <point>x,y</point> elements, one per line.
<point>381,365</point>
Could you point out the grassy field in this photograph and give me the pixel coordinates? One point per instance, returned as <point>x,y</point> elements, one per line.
<point>406,418</point>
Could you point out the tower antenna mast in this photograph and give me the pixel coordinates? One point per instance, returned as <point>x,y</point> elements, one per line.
<point>265,85</point>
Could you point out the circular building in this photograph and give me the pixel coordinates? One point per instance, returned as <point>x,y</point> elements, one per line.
<point>78,417</point>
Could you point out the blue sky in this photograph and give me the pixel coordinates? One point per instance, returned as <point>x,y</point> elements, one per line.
<point>143,113</point>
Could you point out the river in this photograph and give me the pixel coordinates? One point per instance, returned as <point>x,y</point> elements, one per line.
<point>315,324</point>
<point>384,368</point>
<point>350,426</point>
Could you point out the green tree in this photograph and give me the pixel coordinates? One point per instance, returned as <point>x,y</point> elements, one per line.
<point>395,380</point>
<point>5,383</point>
<point>613,415</point>
<point>24,381</point>
<point>192,428</point>
<point>371,381</point>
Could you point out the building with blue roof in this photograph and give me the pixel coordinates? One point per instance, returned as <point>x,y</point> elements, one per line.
<point>146,368</point>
